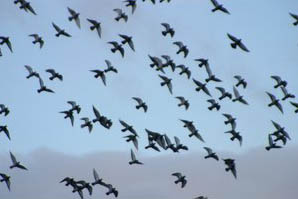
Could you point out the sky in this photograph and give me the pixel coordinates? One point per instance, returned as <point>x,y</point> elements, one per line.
<point>40,135</point>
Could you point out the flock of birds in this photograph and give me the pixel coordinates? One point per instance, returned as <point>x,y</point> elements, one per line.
<point>156,140</point>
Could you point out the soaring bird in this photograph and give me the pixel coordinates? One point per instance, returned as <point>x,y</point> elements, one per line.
<point>69,114</point>
<point>60,31</point>
<point>211,76</point>
<point>231,166</point>
<point>54,74</point>
<point>293,104</point>
<point>43,88</point>
<point>110,68</point>
<point>238,97</point>
<point>180,178</point>
<point>15,163</point>
<point>87,123</point>
<point>31,72</point>
<point>274,102</point>
<point>5,130</point>
<point>271,145</point>
<point>74,106</point>
<point>128,40</point>
<point>168,30</point>
<point>211,154</point>
<point>141,104</point>
<point>111,189</point>
<point>230,120</point>
<point>201,86</point>
<point>74,16</point>
<point>37,39</point>
<point>132,4</point>
<point>6,179</point>
<point>27,7</point>
<point>95,25</point>
<point>133,158</point>
<point>97,180</point>
<point>182,48</point>
<point>4,109</point>
<point>218,6</point>
<point>214,104</point>
<point>286,93</point>
<point>5,40</point>
<point>295,23</point>
<point>183,102</point>
<point>121,15</point>
<point>166,81</point>
<point>224,93</point>
<point>237,42</point>
<point>169,62</point>
<point>184,70</point>
<point>128,127</point>
<point>116,47</point>
<point>133,139</point>
<point>279,81</point>
<point>203,62</point>
<point>101,74</point>
<point>235,135</point>
<point>241,81</point>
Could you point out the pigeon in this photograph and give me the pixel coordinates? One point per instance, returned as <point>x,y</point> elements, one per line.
<point>31,72</point>
<point>280,129</point>
<point>169,62</point>
<point>193,131</point>
<point>203,62</point>
<point>69,181</point>
<point>128,127</point>
<point>241,81</point>
<point>132,3</point>
<point>127,39</point>
<point>237,42</point>
<point>235,135</point>
<point>166,81</point>
<point>69,114</point>
<point>15,163</point>
<point>183,102</point>
<point>201,86</point>
<point>168,1</point>
<point>152,145</point>
<point>182,48</point>
<point>286,93</point>
<point>214,104</point>
<point>279,81</point>
<point>6,179</point>
<point>274,102</point>
<point>170,145</point>
<point>179,145</point>
<point>184,70</point>
<point>97,180</point>
<point>4,109</point>
<point>5,130</point>
<point>74,16</point>
<point>181,179</point>
<point>116,47</point>
<point>111,190</point>
<point>218,6</point>
<point>5,40</point>
<point>95,25</point>
<point>152,1</point>
<point>80,185</point>
<point>87,123</point>
<point>141,104</point>
<point>121,15</point>
<point>211,76</point>
<point>74,106</point>
<point>293,103</point>
<point>43,88</point>
<point>54,75</point>
<point>295,23</point>
<point>107,123</point>
<point>60,31</point>
<point>110,68</point>
<point>27,7</point>
<point>157,137</point>
<point>231,166</point>
<point>37,39</point>
<point>280,136</point>
<point>101,74</point>
<point>133,139</point>
<point>224,93</point>
<point>230,120</point>
<point>271,145</point>
<point>133,158</point>
<point>211,154</point>
<point>238,97</point>
<point>168,30</point>
<point>156,62</point>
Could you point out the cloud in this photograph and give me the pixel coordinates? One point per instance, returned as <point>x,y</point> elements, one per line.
<point>261,174</point>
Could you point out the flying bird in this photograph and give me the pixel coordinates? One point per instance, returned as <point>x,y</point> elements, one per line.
<point>74,16</point>
<point>132,4</point>
<point>128,40</point>
<point>224,93</point>
<point>184,70</point>
<point>231,166</point>
<point>116,47</point>
<point>235,135</point>
<point>4,109</point>
<point>241,81</point>
<point>60,31</point>
<point>286,93</point>
<point>152,145</point>
<point>95,25</point>
<point>121,15</point>
<point>6,179</point>
<point>5,130</point>
<point>27,6</point>
<point>141,104</point>
<point>201,86</point>
<point>37,39</point>
<point>218,6</point>
<point>211,154</point>
<point>168,30</point>
<point>211,76</point>
<point>179,145</point>
<point>69,114</point>
<point>111,189</point>
<point>193,130</point>
<point>128,127</point>
<point>31,72</point>
<point>133,158</point>
<point>272,145</point>
<point>295,23</point>
<point>238,97</point>
<point>156,62</point>
<point>180,178</point>
<point>169,62</point>
<point>279,81</point>
<point>5,40</point>
<point>203,62</point>
<point>214,104</point>
<point>166,81</point>
<point>74,106</point>
<point>182,48</point>
<point>110,68</point>
<point>293,103</point>
<point>237,42</point>
<point>275,102</point>
<point>133,139</point>
<point>104,121</point>
<point>97,180</point>
<point>183,102</point>
<point>87,123</point>
<point>54,74</point>
<point>230,120</point>
<point>43,88</point>
<point>101,74</point>
<point>280,129</point>
<point>15,163</point>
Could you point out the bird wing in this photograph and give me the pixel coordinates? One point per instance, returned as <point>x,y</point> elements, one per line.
<point>212,101</point>
<point>236,92</point>
<point>66,34</point>
<point>118,11</point>
<point>270,140</point>
<point>272,97</point>
<point>276,78</point>
<point>199,136</point>
<point>198,83</point>
<point>7,133</point>
<point>163,77</point>
<point>96,112</point>
<point>56,27</point>
<point>139,100</point>
<point>222,90</point>
<point>182,99</point>
<point>95,174</point>
<point>132,155</point>
<point>238,77</point>
<point>177,174</point>
<point>243,47</point>
<point>103,78</point>
<point>166,57</point>
<point>30,70</point>
<point>205,89</point>
<point>279,106</point>
<point>170,87</point>
<point>131,45</point>
<point>232,37</point>
<point>72,103</point>
<point>109,64</point>
<point>52,71</point>
<point>209,150</point>
<point>177,140</point>
<point>124,124</point>
<point>41,82</point>
<point>294,16</point>
<point>13,158</point>
<point>166,25</point>
<point>284,90</point>
<point>209,72</point>
<point>35,36</point>
<point>178,43</point>
<point>294,104</point>
<point>276,125</point>
<point>215,3</point>
<point>71,11</point>
<point>233,170</point>
<point>135,142</point>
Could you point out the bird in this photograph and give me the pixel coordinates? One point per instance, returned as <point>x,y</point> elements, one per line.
<point>293,103</point>
<point>5,130</point>
<point>184,70</point>
<point>237,42</point>
<point>116,47</point>
<point>224,93</point>
<point>6,179</point>
<point>5,40</point>
<point>128,40</point>
<point>69,114</point>
<point>193,130</point>
<point>168,1</point>
<point>214,104</point>
<point>104,121</point>
<point>241,81</point>
<point>87,123</point>
<point>211,76</point>
<point>183,102</point>
<point>132,3</point>
<point>201,86</point>
<point>274,102</point>
<point>235,135</point>
<point>152,145</point>
<point>295,23</point>
<point>54,74</point>
<point>74,106</point>
<point>280,129</point>
<point>43,88</point>
<point>15,163</point>
<point>133,158</point>
<point>279,81</point>
<point>218,6</point>
<point>111,189</point>
<point>74,16</point>
<point>238,97</point>
<point>37,39</point>
<point>60,31</point>
<point>272,145</point>
<point>169,62</point>
<point>180,178</point>
<point>182,48</point>
<point>110,68</point>
<point>166,81</point>
<point>27,7</point>
<point>69,181</point>
<point>179,145</point>
<point>230,120</point>
<point>97,180</point>
<point>133,139</point>
<point>156,62</point>
<point>101,74</point>
<point>121,15</point>
<point>211,154</point>
<point>286,93</point>
<point>31,72</point>
<point>95,25</point>
<point>80,185</point>
<point>152,1</point>
<point>170,145</point>
<point>141,104</point>
<point>4,109</point>
<point>168,30</point>
<point>156,137</point>
<point>203,62</point>
<point>231,166</point>
<point>201,197</point>
<point>128,127</point>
